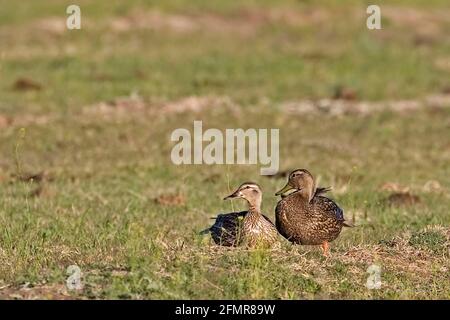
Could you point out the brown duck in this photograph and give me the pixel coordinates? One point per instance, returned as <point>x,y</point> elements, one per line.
<point>250,228</point>
<point>305,216</point>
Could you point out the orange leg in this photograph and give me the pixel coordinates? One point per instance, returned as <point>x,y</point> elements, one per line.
<point>325,249</point>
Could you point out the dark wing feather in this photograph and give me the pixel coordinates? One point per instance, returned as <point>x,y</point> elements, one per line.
<point>330,207</point>
<point>336,211</point>
<point>226,229</point>
<point>339,213</point>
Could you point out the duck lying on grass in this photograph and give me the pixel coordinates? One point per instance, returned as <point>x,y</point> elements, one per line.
<point>249,228</point>
<point>304,216</point>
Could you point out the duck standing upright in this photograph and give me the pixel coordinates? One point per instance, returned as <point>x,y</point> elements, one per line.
<point>304,216</point>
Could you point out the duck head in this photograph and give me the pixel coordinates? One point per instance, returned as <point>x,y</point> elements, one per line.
<point>249,191</point>
<point>302,181</point>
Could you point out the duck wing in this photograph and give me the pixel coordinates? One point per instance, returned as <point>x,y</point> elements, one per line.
<point>331,209</point>
<point>226,229</point>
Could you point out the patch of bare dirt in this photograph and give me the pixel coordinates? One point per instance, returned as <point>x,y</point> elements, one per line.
<point>346,105</point>
<point>399,199</point>
<point>24,120</point>
<point>426,25</point>
<point>197,104</point>
<point>119,106</point>
<point>50,25</point>
<point>431,186</point>
<point>38,292</point>
<point>46,28</point>
<point>134,104</point>
<point>25,84</point>
<point>339,107</point>
<point>33,177</point>
<point>153,20</point>
<point>243,22</point>
<point>345,93</point>
<point>394,187</point>
<point>171,200</point>
<point>123,106</point>
<point>5,121</point>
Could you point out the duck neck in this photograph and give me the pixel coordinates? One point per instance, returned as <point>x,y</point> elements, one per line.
<point>254,207</point>
<point>306,194</point>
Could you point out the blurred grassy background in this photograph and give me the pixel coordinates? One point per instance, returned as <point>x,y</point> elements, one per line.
<point>107,197</point>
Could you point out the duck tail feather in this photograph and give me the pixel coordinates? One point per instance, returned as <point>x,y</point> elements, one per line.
<point>348,224</point>
<point>206,231</point>
<point>322,190</point>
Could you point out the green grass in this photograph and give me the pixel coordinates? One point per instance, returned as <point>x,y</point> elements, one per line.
<point>97,204</point>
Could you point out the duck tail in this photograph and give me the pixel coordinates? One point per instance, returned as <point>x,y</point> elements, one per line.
<point>348,224</point>
<point>322,190</point>
<point>206,231</point>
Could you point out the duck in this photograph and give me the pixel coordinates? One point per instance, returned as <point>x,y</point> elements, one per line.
<point>246,228</point>
<point>306,216</point>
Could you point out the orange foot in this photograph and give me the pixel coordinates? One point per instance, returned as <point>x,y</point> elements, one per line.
<point>325,250</point>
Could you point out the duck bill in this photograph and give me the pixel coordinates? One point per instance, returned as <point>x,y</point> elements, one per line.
<point>234,195</point>
<point>285,189</point>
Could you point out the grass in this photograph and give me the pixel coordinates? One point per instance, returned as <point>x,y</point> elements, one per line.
<point>98,206</point>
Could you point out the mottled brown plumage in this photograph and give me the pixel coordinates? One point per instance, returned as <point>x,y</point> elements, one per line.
<point>305,217</point>
<point>255,230</point>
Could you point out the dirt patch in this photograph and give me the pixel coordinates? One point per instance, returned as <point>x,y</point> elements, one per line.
<point>119,106</point>
<point>197,104</point>
<point>171,200</point>
<point>42,291</point>
<point>339,107</point>
<point>33,177</point>
<point>394,187</point>
<point>123,106</point>
<point>244,22</point>
<point>399,199</point>
<point>431,186</point>
<point>25,84</point>
<point>426,25</point>
<point>135,105</point>
<point>25,120</point>
<point>128,105</point>
<point>5,121</point>
<point>345,93</point>
<point>50,25</point>
<point>153,20</point>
